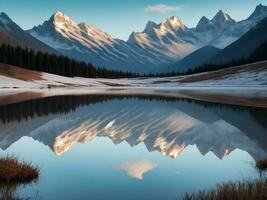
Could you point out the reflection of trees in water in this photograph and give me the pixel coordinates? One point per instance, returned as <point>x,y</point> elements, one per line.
<point>8,191</point>
<point>64,104</point>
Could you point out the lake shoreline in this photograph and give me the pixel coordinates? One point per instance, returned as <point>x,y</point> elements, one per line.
<point>253,97</point>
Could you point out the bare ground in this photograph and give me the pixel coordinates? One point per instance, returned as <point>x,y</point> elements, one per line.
<point>19,73</point>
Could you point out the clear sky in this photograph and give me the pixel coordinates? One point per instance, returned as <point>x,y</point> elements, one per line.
<point>121,17</point>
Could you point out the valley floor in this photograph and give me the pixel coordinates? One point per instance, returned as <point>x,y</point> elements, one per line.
<point>251,75</point>
<point>244,85</point>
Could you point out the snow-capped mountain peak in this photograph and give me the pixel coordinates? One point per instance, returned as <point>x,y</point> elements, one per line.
<point>62,21</point>
<point>59,16</point>
<point>222,18</point>
<point>173,23</point>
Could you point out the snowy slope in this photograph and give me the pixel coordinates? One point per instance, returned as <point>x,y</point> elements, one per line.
<point>251,75</point>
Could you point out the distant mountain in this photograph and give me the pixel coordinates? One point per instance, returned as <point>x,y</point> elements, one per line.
<point>222,30</point>
<point>154,49</point>
<point>170,38</point>
<point>243,47</point>
<point>11,33</point>
<point>195,59</point>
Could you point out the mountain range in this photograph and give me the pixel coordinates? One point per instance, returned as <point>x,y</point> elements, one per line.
<point>242,48</point>
<point>154,49</point>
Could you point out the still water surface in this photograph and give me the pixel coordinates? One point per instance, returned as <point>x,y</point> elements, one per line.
<point>125,147</point>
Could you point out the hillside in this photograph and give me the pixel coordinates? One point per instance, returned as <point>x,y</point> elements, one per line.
<point>195,59</point>
<point>243,47</point>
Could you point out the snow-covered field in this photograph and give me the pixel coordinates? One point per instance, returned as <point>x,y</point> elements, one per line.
<point>237,85</point>
<point>253,76</point>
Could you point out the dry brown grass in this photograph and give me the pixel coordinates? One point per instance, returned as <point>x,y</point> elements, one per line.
<point>251,190</point>
<point>14,171</point>
<point>19,73</point>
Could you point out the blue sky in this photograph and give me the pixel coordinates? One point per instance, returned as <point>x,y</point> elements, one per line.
<point>121,17</point>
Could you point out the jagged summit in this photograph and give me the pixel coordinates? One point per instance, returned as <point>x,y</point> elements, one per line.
<point>3,14</point>
<point>222,18</point>
<point>58,13</point>
<point>150,25</point>
<point>204,18</point>
<point>62,21</point>
<point>203,23</point>
<point>259,12</point>
<point>4,20</point>
<point>173,23</point>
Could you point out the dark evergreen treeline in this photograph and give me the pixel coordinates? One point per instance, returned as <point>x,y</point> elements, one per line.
<point>55,64</point>
<point>64,66</point>
<point>260,53</point>
<point>53,105</point>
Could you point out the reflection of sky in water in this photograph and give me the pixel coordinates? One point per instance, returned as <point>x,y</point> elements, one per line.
<point>91,170</point>
<point>138,168</point>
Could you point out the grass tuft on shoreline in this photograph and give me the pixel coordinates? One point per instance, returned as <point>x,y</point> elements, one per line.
<point>250,190</point>
<point>14,171</point>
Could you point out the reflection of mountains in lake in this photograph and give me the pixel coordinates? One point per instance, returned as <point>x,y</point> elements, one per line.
<point>162,124</point>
